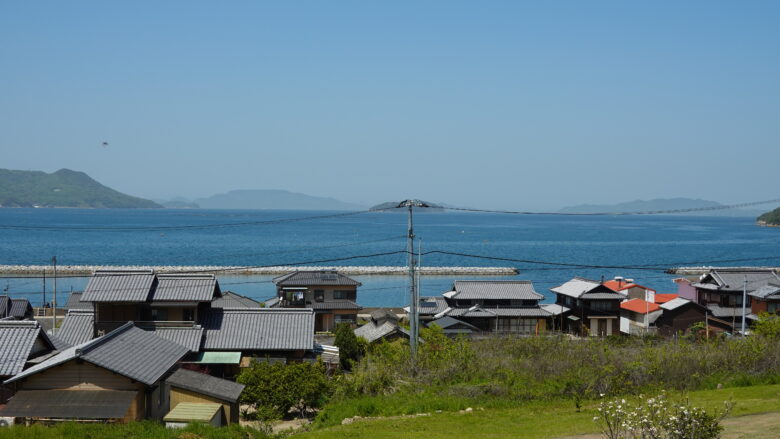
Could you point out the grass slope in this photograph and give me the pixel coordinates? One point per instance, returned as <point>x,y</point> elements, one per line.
<point>537,420</point>
<point>64,188</point>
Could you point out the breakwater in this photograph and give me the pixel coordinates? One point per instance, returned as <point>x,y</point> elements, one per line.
<point>86,270</point>
<point>698,271</point>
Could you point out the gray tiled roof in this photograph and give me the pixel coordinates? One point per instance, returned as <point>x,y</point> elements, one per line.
<point>447,323</point>
<point>134,353</point>
<point>495,289</point>
<point>74,302</point>
<point>431,305</point>
<point>675,303</point>
<point>306,278</point>
<point>264,329</point>
<point>205,384</point>
<point>727,311</point>
<point>16,308</point>
<point>733,279</point>
<point>334,304</point>
<point>119,286</point>
<point>5,306</point>
<point>17,339</point>
<point>603,295</point>
<point>373,332</point>
<point>191,338</point>
<point>77,327</point>
<point>230,299</point>
<point>767,292</point>
<point>476,311</point>
<point>185,288</point>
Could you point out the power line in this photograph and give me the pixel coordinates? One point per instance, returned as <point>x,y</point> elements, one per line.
<point>179,227</point>
<point>646,212</point>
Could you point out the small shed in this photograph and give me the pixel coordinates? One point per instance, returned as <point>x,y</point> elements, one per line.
<point>188,412</point>
<point>187,386</point>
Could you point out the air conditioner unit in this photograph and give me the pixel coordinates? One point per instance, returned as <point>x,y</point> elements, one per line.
<point>101,332</point>
<point>6,422</point>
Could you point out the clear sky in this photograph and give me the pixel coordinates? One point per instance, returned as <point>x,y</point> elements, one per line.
<point>513,104</point>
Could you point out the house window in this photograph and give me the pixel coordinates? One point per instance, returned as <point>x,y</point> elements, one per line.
<point>772,307</point>
<point>601,305</point>
<point>518,326</point>
<point>319,295</point>
<point>339,318</point>
<point>341,295</point>
<point>159,314</point>
<point>188,314</point>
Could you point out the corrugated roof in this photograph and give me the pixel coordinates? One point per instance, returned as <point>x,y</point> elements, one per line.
<point>69,404</point>
<point>555,309</point>
<point>306,278</point>
<point>576,287</point>
<point>495,289</point>
<point>206,384</point>
<point>232,300</point>
<point>674,304</point>
<point>75,302</point>
<point>186,288</point>
<point>191,338</point>
<point>264,329</point>
<point>77,327</point>
<point>128,351</point>
<point>17,339</point>
<point>639,306</point>
<point>373,332</point>
<point>119,286</point>
<point>193,412</point>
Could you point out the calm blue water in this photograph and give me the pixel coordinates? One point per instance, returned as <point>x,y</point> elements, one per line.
<point>627,240</point>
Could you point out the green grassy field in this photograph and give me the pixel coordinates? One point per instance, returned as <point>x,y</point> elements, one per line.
<point>533,420</point>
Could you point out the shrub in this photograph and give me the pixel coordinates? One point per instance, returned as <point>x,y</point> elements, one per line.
<point>274,390</point>
<point>350,348</point>
<point>768,325</point>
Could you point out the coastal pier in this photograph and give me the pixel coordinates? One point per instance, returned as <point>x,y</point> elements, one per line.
<point>87,270</point>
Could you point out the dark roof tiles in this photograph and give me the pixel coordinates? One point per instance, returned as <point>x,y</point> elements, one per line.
<point>206,384</point>
<point>307,278</point>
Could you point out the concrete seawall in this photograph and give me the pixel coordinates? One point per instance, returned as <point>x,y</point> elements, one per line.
<point>697,271</point>
<point>86,270</point>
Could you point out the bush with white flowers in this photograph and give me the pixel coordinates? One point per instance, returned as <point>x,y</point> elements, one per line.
<point>658,418</point>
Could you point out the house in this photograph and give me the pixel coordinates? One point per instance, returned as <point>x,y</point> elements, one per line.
<point>637,316</point>
<point>630,289</point>
<point>21,343</point>
<point>329,293</point>
<point>685,288</point>
<point>429,307</point>
<point>116,377</point>
<point>453,327</point>
<point>187,387</point>
<point>220,330</point>
<point>679,314</point>
<point>383,325</point>
<point>16,309</point>
<point>496,306</point>
<point>75,302</point>
<point>721,291</point>
<point>766,299</point>
<point>594,308</point>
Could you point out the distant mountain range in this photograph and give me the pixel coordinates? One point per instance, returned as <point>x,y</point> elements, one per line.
<point>263,199</point>
<point>64,188</point>
<point>662,204</point>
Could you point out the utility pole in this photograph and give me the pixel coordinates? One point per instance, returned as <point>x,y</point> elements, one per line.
<point>43,302</point>
<point>744,303</point>
<point>54,304</point>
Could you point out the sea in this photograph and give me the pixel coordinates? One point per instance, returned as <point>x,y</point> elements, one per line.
<point>552,248</point>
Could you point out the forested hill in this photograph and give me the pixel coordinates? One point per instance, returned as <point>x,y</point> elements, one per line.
<point>64,188</point>
<point>770,218</point>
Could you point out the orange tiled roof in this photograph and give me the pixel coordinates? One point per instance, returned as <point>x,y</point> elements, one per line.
<point>639,306</point>
<point>623,285</point>
<point>663,298</point>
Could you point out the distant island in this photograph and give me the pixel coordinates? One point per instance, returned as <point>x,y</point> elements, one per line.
<point>661,204</point>
<point>64,188</point>
<point>271,199</point>
<point>770,219</point>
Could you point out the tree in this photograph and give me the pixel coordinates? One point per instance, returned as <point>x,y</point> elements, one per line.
<point>767,325</point>
<point>273,390</point>
<point>350,348</point>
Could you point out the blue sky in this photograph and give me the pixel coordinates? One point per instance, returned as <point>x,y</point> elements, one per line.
<point>486,104</point>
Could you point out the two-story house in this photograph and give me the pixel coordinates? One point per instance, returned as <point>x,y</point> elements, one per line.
<point>765,299</point>
<point>721,291</point>
<point>594,307</point>
<point>495,306</point>
<point>329,293</point>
